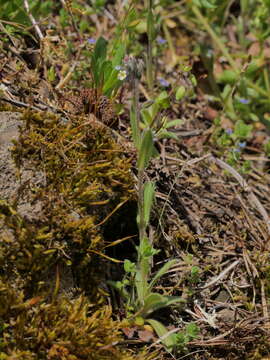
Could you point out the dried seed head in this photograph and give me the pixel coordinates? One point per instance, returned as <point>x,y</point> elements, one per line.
<point>133,66</point>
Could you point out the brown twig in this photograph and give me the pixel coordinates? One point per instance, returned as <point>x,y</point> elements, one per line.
<point>221,275</point>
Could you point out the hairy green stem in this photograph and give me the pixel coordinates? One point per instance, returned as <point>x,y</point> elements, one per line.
<point>142,230</point>
<point>149,65</point>
<point>149,61</point>
<point>141,224</point>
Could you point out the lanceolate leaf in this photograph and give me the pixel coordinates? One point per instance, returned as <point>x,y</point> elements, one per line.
<point>164,134</point>
<point>119,54</point>
<point>161,330</point>
<point>155,301</point>
<point>146,149</point>
<point>149,191</point>
<point>98,58</point>
<point>146,116</point>
<point>100,50</point>
<point>173,123</point>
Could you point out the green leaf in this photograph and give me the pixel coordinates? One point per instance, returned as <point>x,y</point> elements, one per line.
<point>98,58</point>
<point>51,74</point>
<point>228,77</point>
<point>129,266</point>
<point>110,79</point>
<point>207,4</point>
<point>139,321</point>
<point>149,192</point>
<point>164,134</point>
<point>152,302</point>
<point>180,93</point>
<point>242,130</point>
<point>192,331</point>
<point>119,54</point>
<point>161,331</point>
<point>153,110</point>
<point>100,50</point>
<point>173,123</point>
<point>106,69</point>
<point>120,287</point>
<point>162,272</point>
<point>163,100</point>
<point>146,249</point>
<point>146,149</point>
<point>253,67</point>
<point>104,72</point>
<point>193,80</point>
<point>131,18</point>
<point>146,116</point>
<point>155,301</point>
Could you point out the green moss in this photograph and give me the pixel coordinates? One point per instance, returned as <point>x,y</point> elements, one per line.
<point>63,330</point>
<point>83,178</point>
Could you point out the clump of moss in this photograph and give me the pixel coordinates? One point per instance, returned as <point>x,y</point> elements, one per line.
<point>83,178</point>
<point>61,330</point>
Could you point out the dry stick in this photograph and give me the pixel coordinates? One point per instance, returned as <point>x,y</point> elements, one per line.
<point>38,31</point>
<point>221,275</point>
<point>63,81</point>
<point>254,201</point>
<point>20,104</point>
<point>264,302</point>
<point>33,20</point>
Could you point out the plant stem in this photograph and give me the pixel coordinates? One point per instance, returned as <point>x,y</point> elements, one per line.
<point>149,62</point>
<point>141,225</point>
<point>150,68</point>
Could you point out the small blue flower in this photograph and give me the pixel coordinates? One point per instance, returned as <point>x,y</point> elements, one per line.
<point>118,67</point>
<point>164,82</point>
<point>242,144</point>
<point>244,101</point>
<point>91,41</point>
<point>237,150</point>
<point>229,131</point>
<point>161,41</point>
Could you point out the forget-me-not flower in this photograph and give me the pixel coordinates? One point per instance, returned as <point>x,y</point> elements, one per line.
<point>244,101</point>
<point>164,82</point>
<point>161,41</point>
<point>91,41</point>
